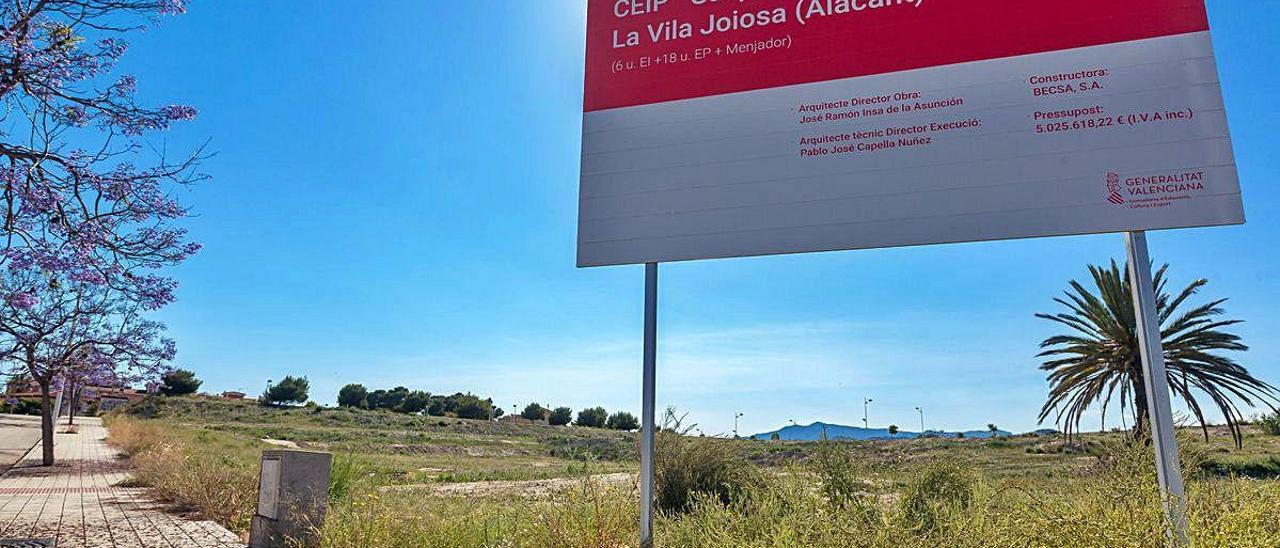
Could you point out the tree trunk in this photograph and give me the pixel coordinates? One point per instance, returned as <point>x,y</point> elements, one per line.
<point>75,402</point>
<point>1140,415</point>
<point>46,423</point>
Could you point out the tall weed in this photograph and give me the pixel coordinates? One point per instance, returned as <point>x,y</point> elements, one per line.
<point>830,501</point>
<point>132,437</point>
<point>842,481</point>
<point>593,516</point>
<point>210,484</point>
<point>941,489</point>
<point>346,473</point>
<point>1270,424</point>
<point>688,466</point>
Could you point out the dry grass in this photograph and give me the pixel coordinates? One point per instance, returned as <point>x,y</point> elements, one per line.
<point>211,486</point>
<point>945,504</point>
<point>132,437</point>
<point>988,495</point>
<point>592,516</point>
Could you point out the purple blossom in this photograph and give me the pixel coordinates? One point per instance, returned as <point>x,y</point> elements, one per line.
<point>112,48</point>
<point>81,334</point>
<point>172,7</point>
<point>22,299</point>
<point>179,113</point>
<point>126,85</point>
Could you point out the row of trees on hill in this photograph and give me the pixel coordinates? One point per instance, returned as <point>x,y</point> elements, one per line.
<point>592,417</point>
<point>469,406</point>
<point>403,400</point>
<point>290,390</point>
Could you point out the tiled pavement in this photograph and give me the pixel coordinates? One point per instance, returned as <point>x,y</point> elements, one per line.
<point>17,434</point>
<point>77,501</point>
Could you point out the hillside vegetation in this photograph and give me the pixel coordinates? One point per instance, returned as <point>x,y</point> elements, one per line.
<point>404,480</point>
<point>400,448</point>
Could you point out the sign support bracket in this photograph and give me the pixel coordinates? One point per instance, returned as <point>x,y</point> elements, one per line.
<point>1156,383</point>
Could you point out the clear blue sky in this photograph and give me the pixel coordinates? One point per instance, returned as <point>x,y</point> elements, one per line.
<point>395,204</point>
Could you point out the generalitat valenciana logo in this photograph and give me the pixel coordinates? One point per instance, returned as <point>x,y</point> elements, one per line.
<point>1113,188</point>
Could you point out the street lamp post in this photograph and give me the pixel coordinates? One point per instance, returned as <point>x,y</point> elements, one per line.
<point>735,425</point>
<point>921,420</point>
<point>865,423</point>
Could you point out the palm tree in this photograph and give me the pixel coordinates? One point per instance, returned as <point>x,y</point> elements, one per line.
<point>1099,358</point>
<point>893,430</point>
<point>995,431</point>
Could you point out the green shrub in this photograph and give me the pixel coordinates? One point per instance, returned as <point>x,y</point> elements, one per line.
<point>1131,458</point>
<point>346,472</point>
<point>353,395</point>
<point>26,406</point>
<point>623,420</point>
<point>289,391</point>
<point>1270,424</point>
<point>590,448</point>
<point>415,402</point>
<point>594,417</point>
<point>180,382</point>
<point>560,416</point>
<point>941,488</point>
<point>387,399</point>
<point>1266,468</point>
<point>468,406</point>
<point>534,412</point>
<point>687,467</point>
<point>839,475</point>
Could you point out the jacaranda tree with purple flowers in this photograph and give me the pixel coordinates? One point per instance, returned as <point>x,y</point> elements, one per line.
<point>75,335</point>
<point>81,373</point>
<point>87,213</point>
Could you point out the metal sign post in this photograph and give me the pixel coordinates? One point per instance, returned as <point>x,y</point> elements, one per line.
<point>1156,380</point>
<point>647,426</point>
<point>57,405</point>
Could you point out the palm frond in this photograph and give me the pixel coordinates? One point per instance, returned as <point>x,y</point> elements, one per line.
<point>1099,358</point>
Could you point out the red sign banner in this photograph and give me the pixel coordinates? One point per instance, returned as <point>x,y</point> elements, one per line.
<point>651,51</point>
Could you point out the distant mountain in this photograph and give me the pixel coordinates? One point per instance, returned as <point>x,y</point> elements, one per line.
<point>813,432</point>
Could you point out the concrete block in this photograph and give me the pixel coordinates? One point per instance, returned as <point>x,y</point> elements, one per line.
<point>293,496</point>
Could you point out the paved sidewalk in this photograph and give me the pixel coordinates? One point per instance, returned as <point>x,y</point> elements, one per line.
<point>17,434</point>
<point>77,501</point>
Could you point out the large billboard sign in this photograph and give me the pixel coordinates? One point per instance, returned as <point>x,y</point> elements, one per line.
<point>726,128</point>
